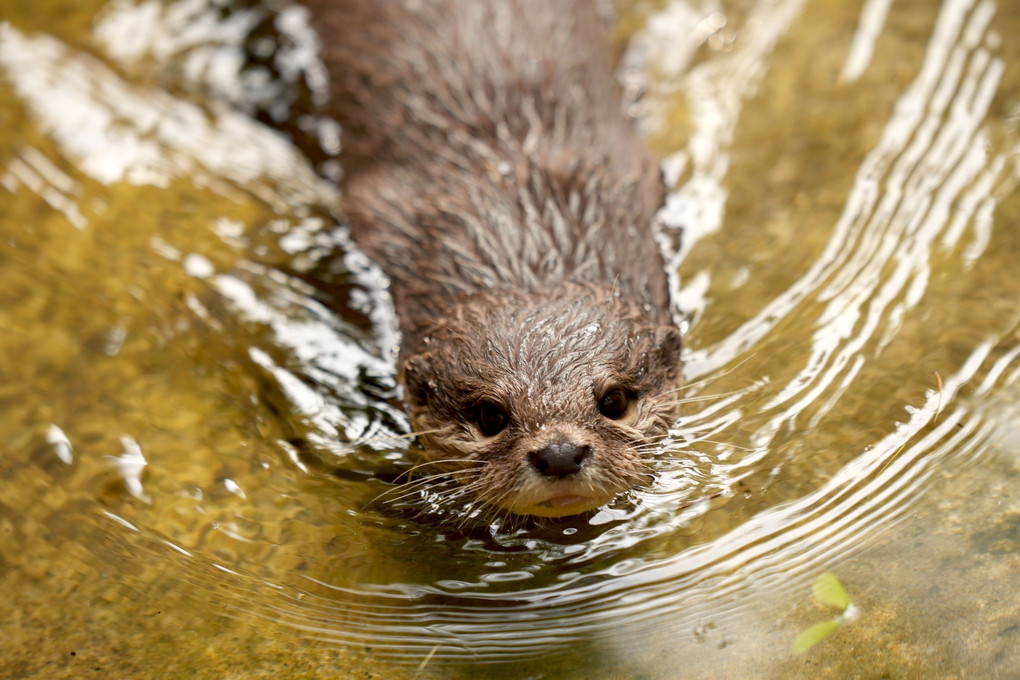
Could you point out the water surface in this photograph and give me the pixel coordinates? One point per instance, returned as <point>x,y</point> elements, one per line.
<point>200,428</point>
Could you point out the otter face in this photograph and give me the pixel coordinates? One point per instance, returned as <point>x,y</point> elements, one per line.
<point>543,407</point>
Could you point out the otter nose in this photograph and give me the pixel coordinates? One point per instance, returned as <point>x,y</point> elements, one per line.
<point>559,459</point>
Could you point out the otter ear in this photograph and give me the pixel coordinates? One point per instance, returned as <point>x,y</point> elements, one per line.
<point>415,376</point>
<point>667,350</point>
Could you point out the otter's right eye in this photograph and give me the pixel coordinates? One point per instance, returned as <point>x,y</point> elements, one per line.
<point>491,418</point>
<point>614,404</point>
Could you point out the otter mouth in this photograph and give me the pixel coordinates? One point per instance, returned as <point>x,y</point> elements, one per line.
<point>561,506</point>
<point>566,500</point>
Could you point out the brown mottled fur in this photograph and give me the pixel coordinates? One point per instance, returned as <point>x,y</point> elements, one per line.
<point>490,172</point>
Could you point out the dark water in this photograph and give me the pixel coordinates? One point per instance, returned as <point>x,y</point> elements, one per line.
<point>197,407</point>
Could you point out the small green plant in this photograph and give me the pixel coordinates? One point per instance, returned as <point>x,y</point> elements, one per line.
<point>829,591</point>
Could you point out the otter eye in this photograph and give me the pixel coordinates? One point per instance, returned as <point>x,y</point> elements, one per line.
<point>614,404</point>
<point>491,418</point>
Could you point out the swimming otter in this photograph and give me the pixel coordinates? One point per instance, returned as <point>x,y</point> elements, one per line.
<point>490,172</point>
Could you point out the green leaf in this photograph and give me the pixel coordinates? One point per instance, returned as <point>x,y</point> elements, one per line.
<point>830,591</point>
<point>813,635</point>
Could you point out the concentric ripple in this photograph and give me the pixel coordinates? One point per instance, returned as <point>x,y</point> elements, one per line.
<point>223,423</point>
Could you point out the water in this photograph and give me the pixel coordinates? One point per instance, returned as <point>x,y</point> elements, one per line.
<point>198,415</point>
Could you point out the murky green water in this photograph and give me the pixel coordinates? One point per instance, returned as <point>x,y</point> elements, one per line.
<point>196,395</point>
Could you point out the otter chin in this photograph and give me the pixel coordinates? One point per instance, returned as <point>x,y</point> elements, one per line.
<point>489,170</point>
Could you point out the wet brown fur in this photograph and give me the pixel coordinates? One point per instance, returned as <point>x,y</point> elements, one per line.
<point>490,172</point>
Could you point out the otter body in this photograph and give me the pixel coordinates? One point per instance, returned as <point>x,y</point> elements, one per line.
<point>490,172</point>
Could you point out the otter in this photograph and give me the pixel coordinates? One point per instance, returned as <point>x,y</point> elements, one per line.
<point>489,170</point>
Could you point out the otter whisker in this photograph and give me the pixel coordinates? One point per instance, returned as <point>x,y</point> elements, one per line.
<point>397,440</point>
<point>493,512</point>
<point>412,487</point>
<point>475,508</point>
<point>461,462</point>
<point>712,378</point>
<point>493,503</point>
<point>640,438</point>
<point>448,501</point>
<point>700,398</point>
<point>400,494</point>
<point>731,445</point>
<point>361,441</point>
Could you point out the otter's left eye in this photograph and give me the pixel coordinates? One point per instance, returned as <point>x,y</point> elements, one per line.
<point>491,418</point>
<point>614,404</point>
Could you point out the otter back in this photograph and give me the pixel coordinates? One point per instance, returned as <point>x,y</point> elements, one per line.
<point>484,146</point>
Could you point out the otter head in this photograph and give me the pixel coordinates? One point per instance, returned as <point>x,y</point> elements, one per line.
<point>543,404</point>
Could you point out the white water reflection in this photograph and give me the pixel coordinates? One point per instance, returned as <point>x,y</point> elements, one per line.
<point>932,153</point>
<point>664,562</point>
<point>716,91</point>
<point>862,47</point>
<point>116,132</point>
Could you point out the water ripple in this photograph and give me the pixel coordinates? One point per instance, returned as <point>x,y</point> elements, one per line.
<point>751,496</point>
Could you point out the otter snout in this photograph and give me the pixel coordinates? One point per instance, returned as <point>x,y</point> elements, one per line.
<point>559,459</point>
